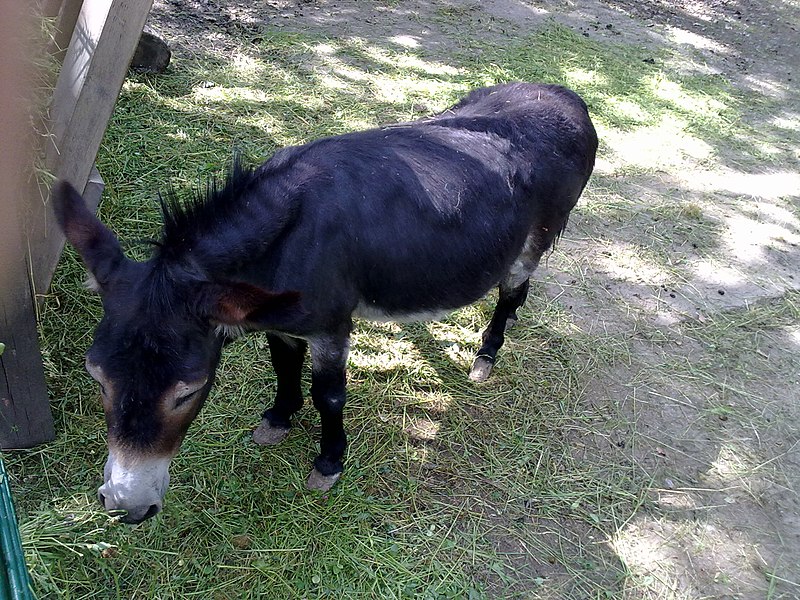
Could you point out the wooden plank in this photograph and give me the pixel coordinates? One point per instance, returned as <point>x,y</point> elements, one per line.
<point>50,8</point>
<point>65,26</point>
<point>94,69</point>
<point>102,43</point>
<point>25,417</point>
<point>104,39</point>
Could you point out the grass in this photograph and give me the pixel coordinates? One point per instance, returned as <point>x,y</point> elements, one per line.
<point>528,486</point>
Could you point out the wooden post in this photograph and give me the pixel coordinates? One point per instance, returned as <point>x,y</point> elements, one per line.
<point>103,41</point>
<point>67,17</point>
<point>25,417</point>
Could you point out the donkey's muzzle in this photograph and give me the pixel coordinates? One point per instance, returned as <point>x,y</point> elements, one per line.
<point>134,489</point>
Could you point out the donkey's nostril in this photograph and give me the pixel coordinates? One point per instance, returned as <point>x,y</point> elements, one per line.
<point>151,512</point>
<point>102,499</point>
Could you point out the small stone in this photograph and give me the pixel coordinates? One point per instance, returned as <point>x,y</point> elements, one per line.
<point>241,542</point>
<point>152,54</point>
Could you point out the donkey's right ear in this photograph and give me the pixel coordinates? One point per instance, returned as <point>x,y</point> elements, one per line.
<point>96,244</point>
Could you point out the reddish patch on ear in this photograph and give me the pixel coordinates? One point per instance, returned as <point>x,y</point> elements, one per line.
<point>240,303</point>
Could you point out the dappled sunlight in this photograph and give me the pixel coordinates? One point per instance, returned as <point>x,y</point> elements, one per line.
<point>681,98</point>
<point>666,146</point>
<point>627,262</point>
<point>749,239</point>
<point>690,38</point>
<point>696,542</point>
<point>420,427</point>
<point>212,93</point>
<point>664,557</point>
<point>451,334</point>
<point>434,401</point>
<point>628,109</point>
<point>401,79</point>
<point>381,348</point>
<point>409,61</point>
<point>249,68</point>
<point>766,85</point>
<point>336,66</point>
<point>407,41</point>
<point>774,185</point>
<point>789,121</point>
<point>578,76</point>
<point>644,545</point>
<point>715,272</point>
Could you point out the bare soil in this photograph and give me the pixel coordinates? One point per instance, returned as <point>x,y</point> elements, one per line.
<point>711,419</point>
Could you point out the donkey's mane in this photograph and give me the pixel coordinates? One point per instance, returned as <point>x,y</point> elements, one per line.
<point>187,219</point>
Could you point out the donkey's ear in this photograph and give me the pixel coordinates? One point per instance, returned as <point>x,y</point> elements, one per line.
<point>240,304</point>
<point>96,244</point>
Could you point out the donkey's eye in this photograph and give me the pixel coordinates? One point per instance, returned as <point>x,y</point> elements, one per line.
<point>187,392</point>
<point>184,399</point>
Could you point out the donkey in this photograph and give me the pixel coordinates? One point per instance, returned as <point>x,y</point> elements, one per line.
<point>403,222</point>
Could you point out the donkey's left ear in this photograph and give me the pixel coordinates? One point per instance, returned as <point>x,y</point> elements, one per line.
<point>96,244</point>
<point>240,304</point>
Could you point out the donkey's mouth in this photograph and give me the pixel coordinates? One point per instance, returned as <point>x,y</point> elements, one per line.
<point>131,516</point>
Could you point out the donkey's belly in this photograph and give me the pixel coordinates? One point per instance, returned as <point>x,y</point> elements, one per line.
<point>373,312</point>
<point>410,295</point>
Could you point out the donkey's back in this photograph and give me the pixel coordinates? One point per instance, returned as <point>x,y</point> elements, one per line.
<point>423,217</point>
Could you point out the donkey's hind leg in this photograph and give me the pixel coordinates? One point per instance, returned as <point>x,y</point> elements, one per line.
<point>513,292</point>
<point>287,359</point>
<point>505,315</point>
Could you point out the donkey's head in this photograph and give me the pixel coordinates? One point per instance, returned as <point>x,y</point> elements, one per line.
<point>154,353</point>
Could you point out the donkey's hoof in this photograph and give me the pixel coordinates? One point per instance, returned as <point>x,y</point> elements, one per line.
<point>269,435</point>
<point>481,369</point>
<point>320,482</point>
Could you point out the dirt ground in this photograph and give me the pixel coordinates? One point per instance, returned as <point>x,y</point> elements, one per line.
<point>722,446</point>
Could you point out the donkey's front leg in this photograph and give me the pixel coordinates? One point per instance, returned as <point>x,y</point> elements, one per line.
<point>287,359</point>
<point>328,364</point>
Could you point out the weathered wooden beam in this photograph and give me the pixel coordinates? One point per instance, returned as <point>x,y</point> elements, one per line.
<point>25,417</point>
<point>92,74</point>
<point>104,38</point>
<point>67,17</point>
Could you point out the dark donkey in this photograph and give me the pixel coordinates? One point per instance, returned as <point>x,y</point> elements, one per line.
<point>401,223</point>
